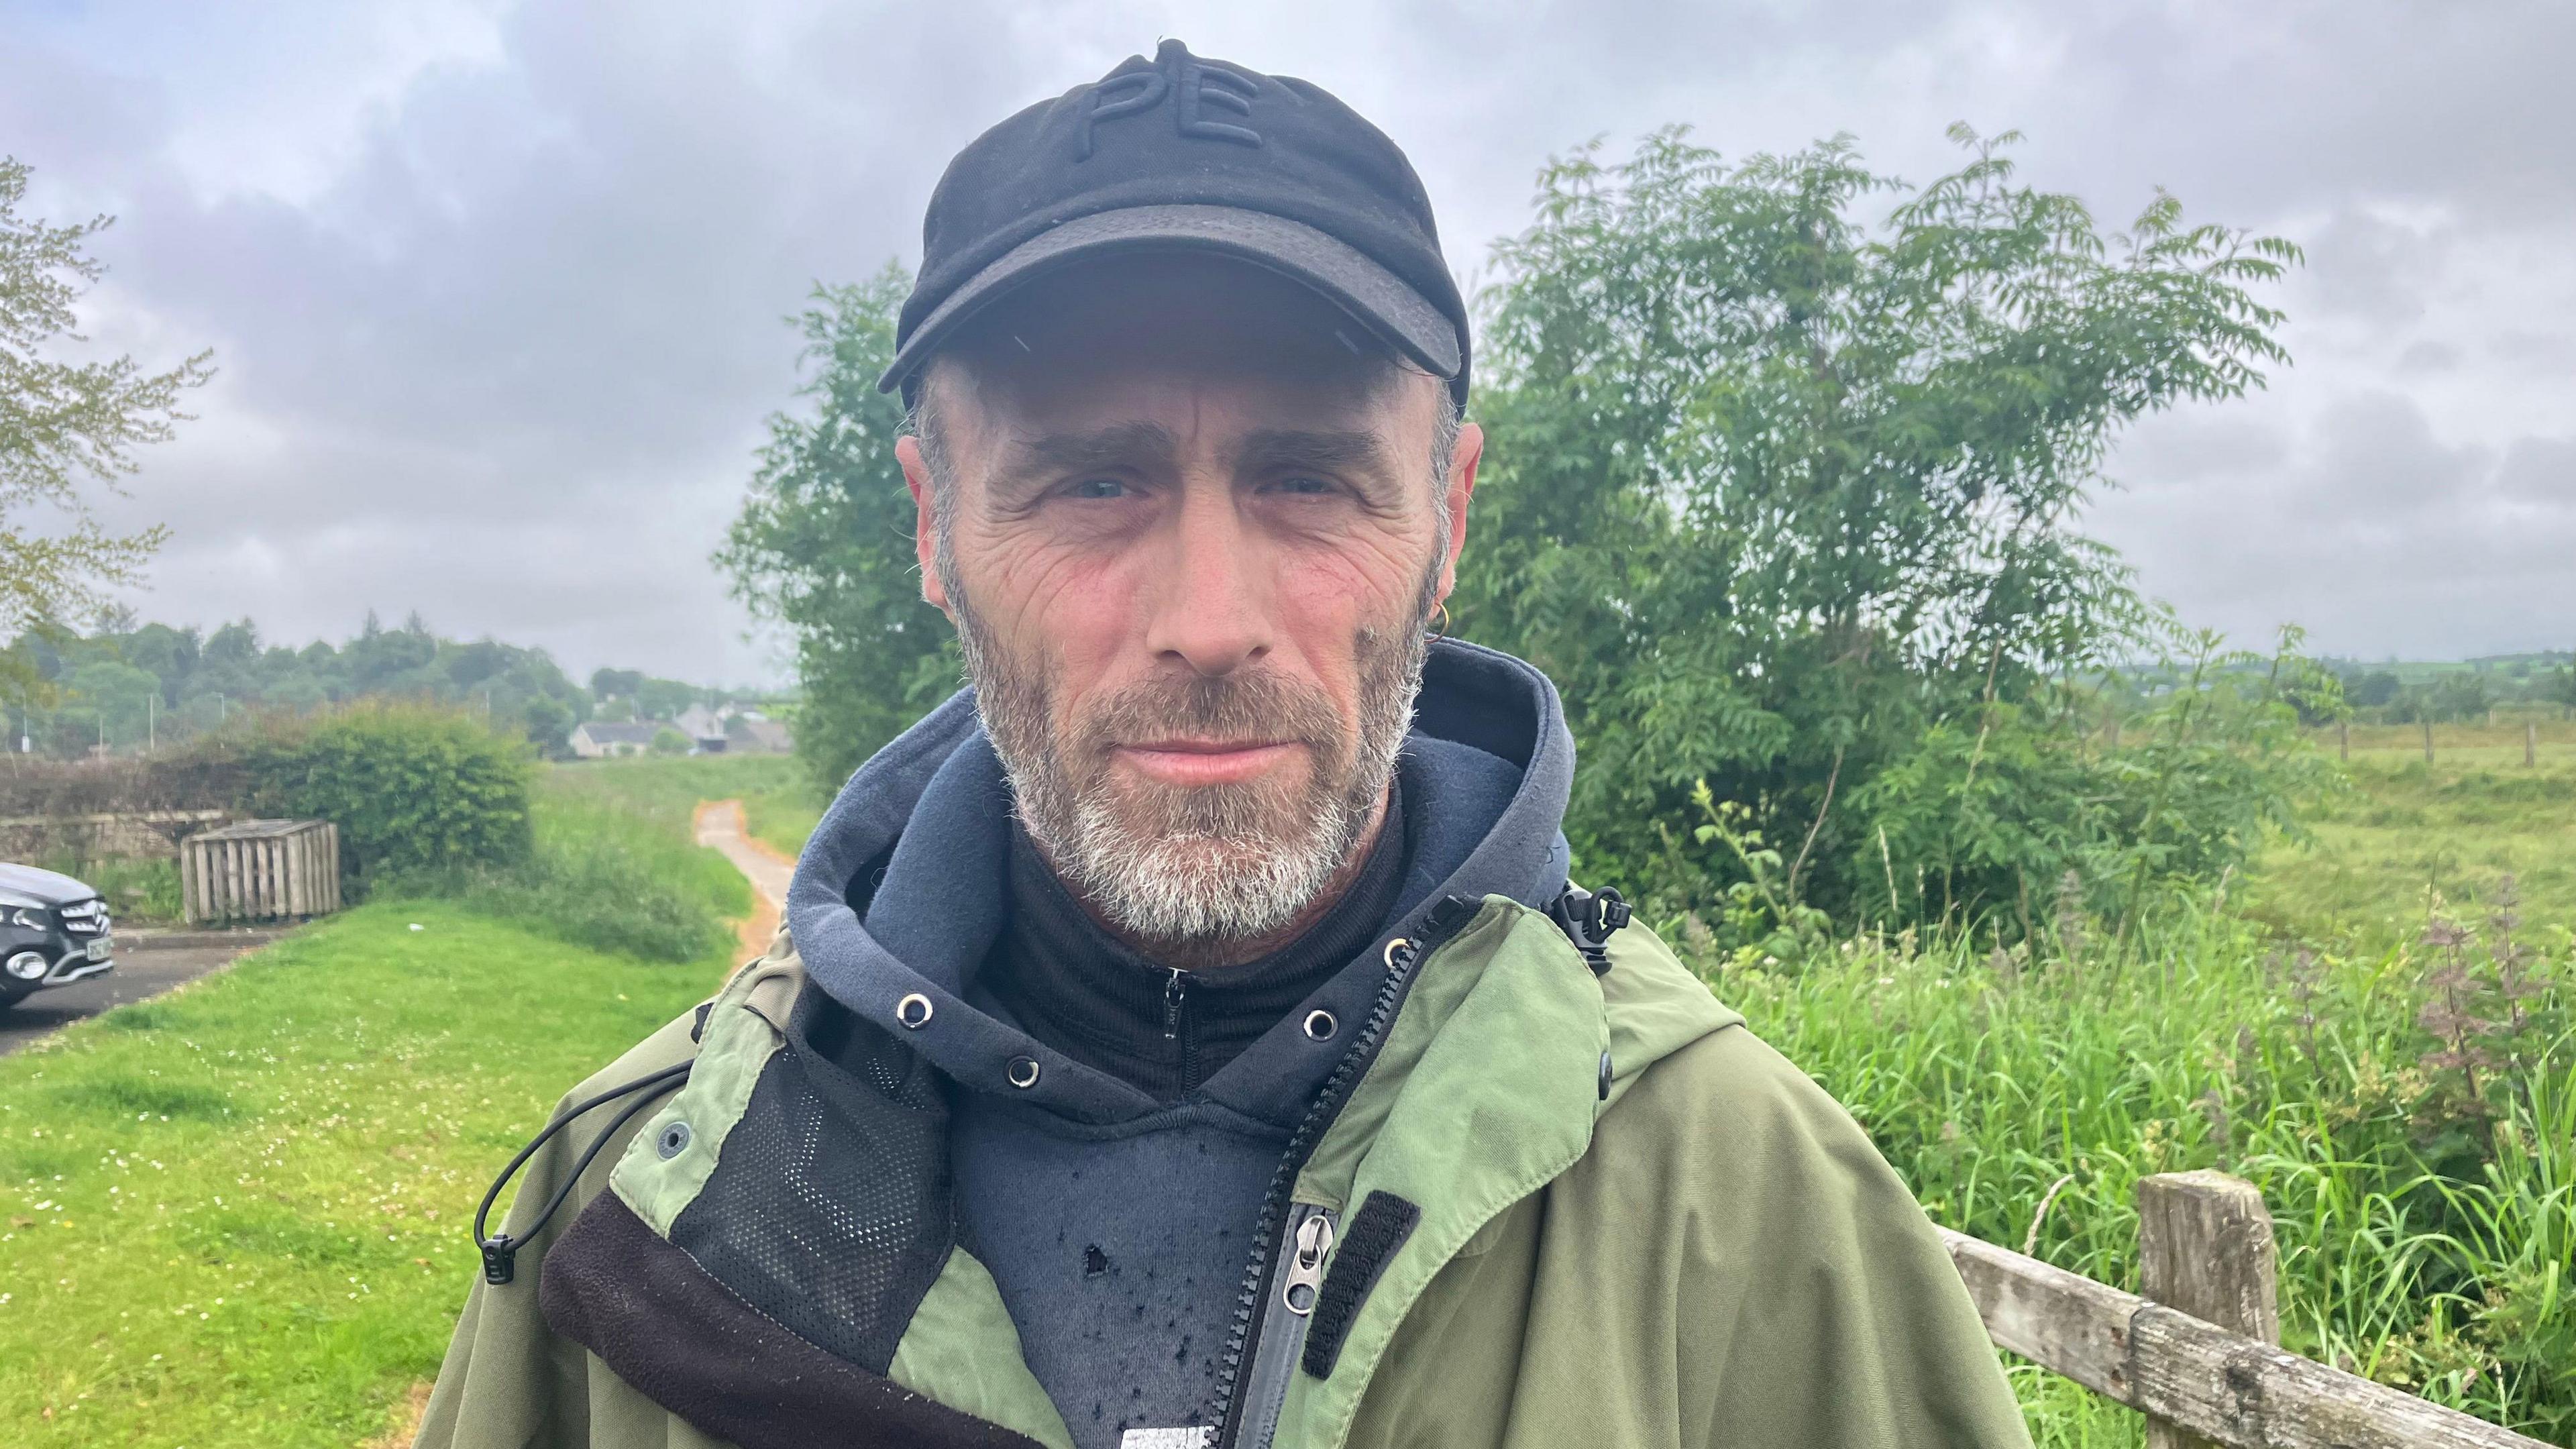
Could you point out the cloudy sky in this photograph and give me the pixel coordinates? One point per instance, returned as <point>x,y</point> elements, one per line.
<point>496,288</point>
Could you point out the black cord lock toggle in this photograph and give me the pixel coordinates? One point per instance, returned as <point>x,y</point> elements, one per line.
<point>1589,920</point>
<point>500,1250</point>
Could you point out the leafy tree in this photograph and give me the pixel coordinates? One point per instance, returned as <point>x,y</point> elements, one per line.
<point>549,726</point>
<point>824,543</point>
<point>665,698</point>
<point>1783,499</point>
<point>63,426</point>
<point>616,683</point>
<point>108,703</point>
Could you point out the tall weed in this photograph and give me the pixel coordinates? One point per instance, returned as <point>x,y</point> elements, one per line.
<point>604,878</point>
<point>2426,1220</point>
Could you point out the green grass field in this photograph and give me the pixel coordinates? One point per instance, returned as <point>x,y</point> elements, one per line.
<point>2412,835</point>
<point>777,802</point>
<point>237,1215</point>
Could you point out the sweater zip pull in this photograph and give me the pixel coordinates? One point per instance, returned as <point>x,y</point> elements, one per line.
<point>1172,1006</point>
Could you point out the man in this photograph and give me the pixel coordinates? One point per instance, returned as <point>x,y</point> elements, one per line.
<point>1189,1036</point>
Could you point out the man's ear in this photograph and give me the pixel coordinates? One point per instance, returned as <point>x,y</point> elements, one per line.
<point>925,539</point>
<point>1461,486</point>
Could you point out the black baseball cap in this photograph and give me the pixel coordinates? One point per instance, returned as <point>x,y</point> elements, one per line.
<point>1184,153</point>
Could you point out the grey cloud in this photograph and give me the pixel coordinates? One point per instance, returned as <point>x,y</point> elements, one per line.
<point>2540,470</point>
<point>2424,358</point>
<point>505,362</point>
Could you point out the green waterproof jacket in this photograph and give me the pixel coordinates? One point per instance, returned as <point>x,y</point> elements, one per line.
<point>1547,1207</point>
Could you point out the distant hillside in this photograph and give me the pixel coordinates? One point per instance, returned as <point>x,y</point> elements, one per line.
<point>2408,691</point>
<point>130,686</point>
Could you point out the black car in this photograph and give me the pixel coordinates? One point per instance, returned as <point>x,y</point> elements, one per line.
<point>53,930</point>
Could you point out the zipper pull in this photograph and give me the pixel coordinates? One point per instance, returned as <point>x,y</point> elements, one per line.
<point>1172,1006</point>
<point>1305,1276</point>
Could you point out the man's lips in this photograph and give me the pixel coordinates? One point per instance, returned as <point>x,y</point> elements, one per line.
<point>1204,762</point>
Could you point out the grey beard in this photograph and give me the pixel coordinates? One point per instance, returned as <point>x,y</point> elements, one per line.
<point>1192,868</point>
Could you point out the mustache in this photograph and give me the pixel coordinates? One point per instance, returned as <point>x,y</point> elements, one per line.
<point>1259,707</point>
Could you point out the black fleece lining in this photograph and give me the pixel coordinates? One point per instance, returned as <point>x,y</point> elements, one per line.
<point>1367,1245</point>
<point>1075,987</point>
<point>686,1342</point>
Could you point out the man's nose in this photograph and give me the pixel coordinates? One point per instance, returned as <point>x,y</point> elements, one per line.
<point>1212,610</point>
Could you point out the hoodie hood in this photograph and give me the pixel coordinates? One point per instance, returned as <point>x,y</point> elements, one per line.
<point>903,887</point>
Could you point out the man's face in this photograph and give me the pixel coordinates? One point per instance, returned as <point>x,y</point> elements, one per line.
<point>1193,531</point>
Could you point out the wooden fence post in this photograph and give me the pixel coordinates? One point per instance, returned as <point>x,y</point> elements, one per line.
<point>2428,739</point>
<point>2343,738</point>
<point>2530,744</point>
<point>2205,1248</point>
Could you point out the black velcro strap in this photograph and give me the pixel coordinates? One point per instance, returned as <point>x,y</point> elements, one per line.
<point>1367,1245</point>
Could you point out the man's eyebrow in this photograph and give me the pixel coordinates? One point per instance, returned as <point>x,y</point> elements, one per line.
<point>1273,448</point>
<point>1027,461</point>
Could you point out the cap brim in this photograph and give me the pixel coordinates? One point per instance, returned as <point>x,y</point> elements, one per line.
<point>1375,297</point>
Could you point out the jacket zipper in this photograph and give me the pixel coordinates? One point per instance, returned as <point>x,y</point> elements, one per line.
<point>1258,1349</point>
<point>1284,1316</point>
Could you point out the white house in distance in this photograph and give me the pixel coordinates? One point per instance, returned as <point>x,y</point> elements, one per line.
<point>594,739</point>
<point>704,727</point>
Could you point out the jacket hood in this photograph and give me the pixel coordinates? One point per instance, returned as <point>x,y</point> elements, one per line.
<point>902,889</point>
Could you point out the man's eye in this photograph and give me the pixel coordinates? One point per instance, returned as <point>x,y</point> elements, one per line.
<point>1306,487</point>
<point>1098,488</point>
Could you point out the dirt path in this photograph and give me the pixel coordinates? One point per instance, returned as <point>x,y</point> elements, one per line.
<point>720,825</point>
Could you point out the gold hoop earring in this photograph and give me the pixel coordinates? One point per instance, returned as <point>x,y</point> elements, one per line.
<point>1443,631</point>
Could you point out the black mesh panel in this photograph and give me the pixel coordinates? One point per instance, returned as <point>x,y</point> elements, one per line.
<point>829,1208</point>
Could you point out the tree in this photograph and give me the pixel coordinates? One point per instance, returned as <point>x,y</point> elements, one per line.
<point>1782,498</point>
<point>65,427</point>
<point>665,698</point>
<point>109,703</point>
<point>549,726</point>
<point>616,683</point>
<point>824,542</point>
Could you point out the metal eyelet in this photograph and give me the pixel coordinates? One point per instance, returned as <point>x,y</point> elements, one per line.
<point>913,1011</point>
<point>1393,946</point>
<point>673,1141</point>
<point>1023,1072</point>
<point>1320,1025</point>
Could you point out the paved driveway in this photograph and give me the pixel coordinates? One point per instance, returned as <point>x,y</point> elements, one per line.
<point>139,973</point>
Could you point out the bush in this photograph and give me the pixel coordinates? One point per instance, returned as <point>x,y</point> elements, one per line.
<point>414,788</point>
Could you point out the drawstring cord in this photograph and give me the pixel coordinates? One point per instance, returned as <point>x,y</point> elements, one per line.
<point>500,1250</point>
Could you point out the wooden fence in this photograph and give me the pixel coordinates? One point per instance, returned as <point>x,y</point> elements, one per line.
<point>2199,1355</point>
<point>261,870</point>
